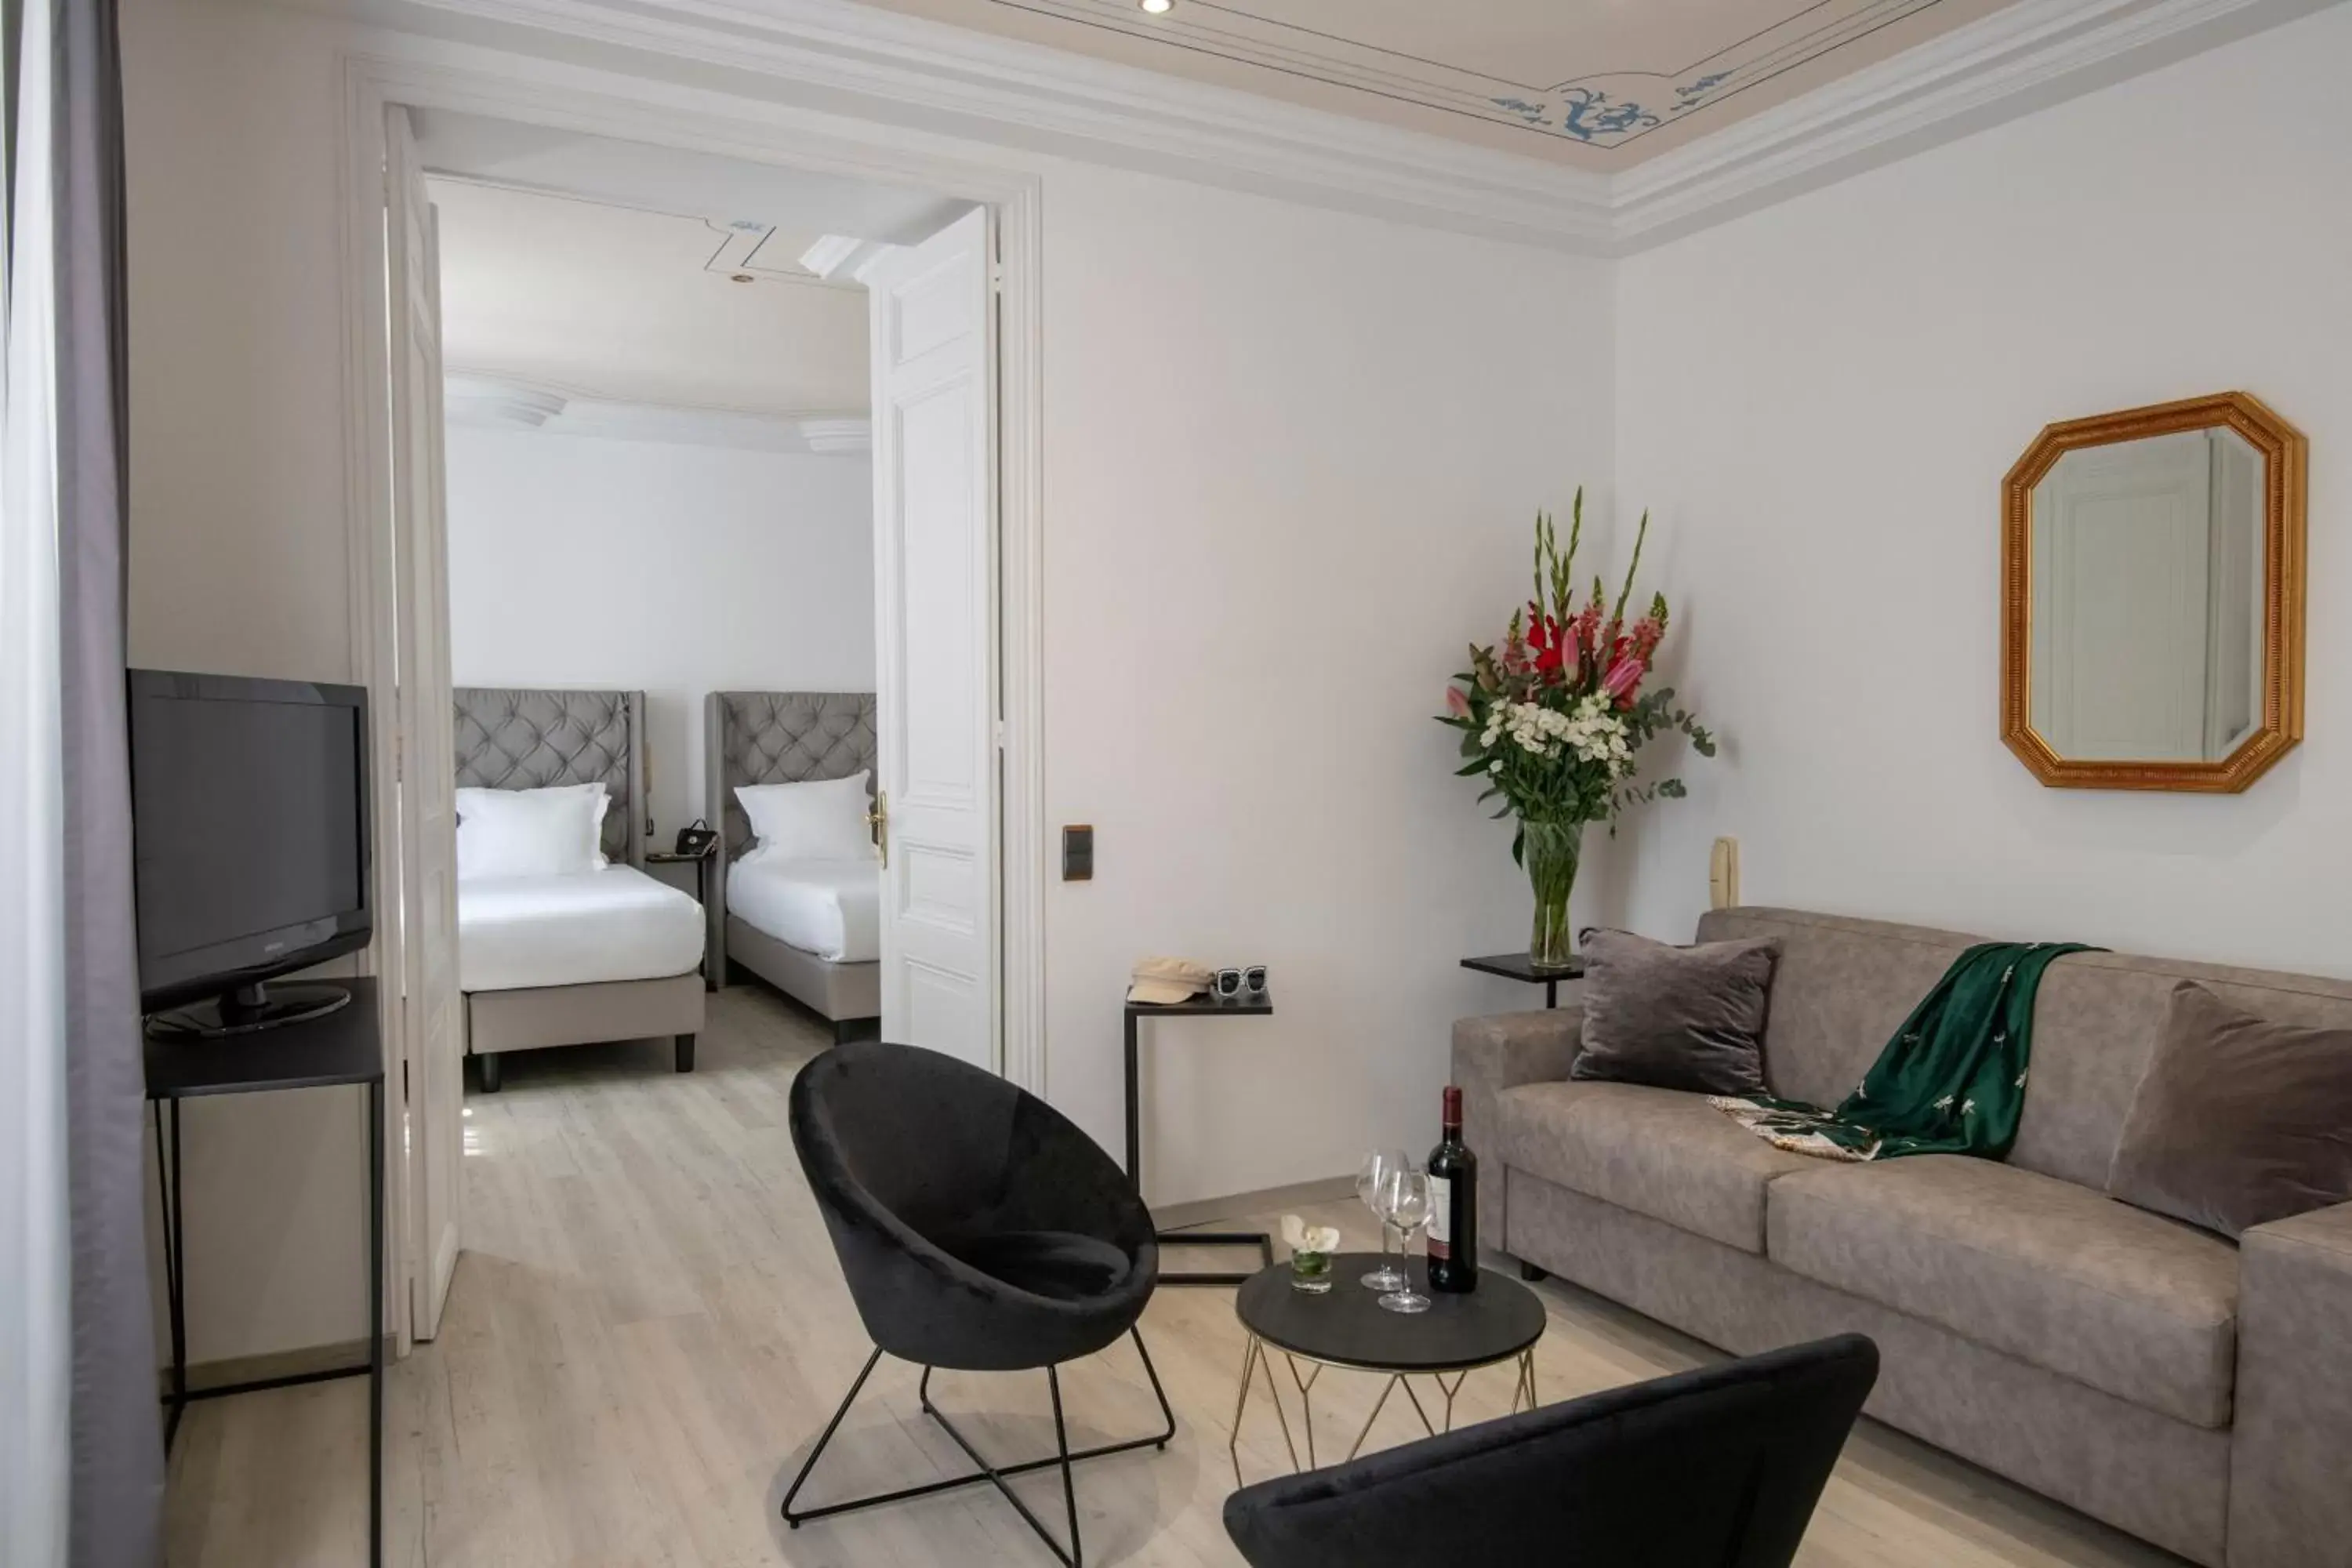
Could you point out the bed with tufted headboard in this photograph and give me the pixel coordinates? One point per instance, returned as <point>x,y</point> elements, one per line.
<point>784,737</point>
<point>609,954</point>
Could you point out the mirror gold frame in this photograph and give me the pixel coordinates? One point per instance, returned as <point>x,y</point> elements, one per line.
<point>2282,449</point>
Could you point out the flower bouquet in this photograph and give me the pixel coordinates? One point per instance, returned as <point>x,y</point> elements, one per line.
<point>1553,720</point>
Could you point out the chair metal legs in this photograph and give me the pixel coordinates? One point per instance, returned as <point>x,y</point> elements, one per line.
<point>996,1475</point>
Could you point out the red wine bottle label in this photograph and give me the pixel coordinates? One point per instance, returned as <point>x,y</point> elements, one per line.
<point>1441,1217</point>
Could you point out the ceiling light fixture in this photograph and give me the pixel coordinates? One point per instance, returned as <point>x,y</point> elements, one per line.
<point>741,278</point>
<point>1157,7</point>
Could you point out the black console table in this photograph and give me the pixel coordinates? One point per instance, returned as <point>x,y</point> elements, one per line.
<point>1204,1007</point>
<point>1516,966</point>
<point>344,1048</point>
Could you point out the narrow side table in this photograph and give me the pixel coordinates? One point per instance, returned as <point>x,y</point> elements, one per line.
<point>1204,1007</point>
<point>1515,966</point>
<point>344,1048</point>
<point>701,864</point>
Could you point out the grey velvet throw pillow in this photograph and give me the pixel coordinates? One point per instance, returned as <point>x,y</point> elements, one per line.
<point>1675,1017</point>
<point>2239,1121</point>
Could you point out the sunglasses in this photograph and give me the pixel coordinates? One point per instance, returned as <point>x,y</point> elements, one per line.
<point>1231,984</point>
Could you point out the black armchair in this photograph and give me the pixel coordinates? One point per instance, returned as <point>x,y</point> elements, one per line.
<point>1721,1465</point>
<point>979,1230</point>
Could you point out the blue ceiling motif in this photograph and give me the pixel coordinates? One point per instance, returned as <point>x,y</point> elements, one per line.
<point>1600,109</point>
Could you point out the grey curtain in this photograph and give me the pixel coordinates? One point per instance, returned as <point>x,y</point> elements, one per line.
<point>116,1518</point>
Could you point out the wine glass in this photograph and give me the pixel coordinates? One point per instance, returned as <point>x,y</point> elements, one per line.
<point>1404,1203</point>
<point>1376,1168</point>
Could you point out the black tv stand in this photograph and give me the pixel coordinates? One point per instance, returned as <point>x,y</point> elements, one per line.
<point>344,1049</point>
<point>249,1008</point>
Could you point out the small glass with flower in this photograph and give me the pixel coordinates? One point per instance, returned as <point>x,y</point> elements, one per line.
<point>1311,1246</point>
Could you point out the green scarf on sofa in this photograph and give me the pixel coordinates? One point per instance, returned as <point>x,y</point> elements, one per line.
<point>1952,1081</point>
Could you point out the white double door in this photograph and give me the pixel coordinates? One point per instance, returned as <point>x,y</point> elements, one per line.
<point>428,1029</point>
<point>934,396</point>
<point>934,383</point>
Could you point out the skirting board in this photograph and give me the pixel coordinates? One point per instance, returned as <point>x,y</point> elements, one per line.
<point>1207,1211</point>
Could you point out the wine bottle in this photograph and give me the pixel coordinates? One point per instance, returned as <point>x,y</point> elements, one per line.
<point>1453,1205</point>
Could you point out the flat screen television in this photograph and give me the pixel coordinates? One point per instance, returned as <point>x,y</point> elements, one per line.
<point>249,829</point>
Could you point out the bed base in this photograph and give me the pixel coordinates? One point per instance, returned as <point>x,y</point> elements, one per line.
<point>848,995</point>
<point>540,1017</point>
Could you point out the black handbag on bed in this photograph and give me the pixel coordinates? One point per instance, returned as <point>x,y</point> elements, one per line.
<point>695,840</point>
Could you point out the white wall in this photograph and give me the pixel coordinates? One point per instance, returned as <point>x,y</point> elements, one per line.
<point>238,564</point>
<point>1821,400</point>
<point>1290,461</point>
<point>676,570</point>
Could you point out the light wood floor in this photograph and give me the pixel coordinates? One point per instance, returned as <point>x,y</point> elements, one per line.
<point>647,1330</point>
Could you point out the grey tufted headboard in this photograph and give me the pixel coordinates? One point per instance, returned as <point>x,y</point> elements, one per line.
<point>525,737</point>
<point>780,737</point>
<point>771,737</point>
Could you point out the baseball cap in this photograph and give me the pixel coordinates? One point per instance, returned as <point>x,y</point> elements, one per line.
<point>1164,981</point>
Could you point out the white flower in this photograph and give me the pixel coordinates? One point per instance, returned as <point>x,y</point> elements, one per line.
<point>1300,1237</point>
<point>1591,730</point>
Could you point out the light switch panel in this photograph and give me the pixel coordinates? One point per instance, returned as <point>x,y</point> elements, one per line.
<point>1078,853</point>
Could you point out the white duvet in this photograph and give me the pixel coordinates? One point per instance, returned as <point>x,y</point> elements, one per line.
<point>829,907</point>
<point>617,923</point>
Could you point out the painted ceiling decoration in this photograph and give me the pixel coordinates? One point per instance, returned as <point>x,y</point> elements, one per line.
<point>1598,82</point>
<point>1600,109</point>
<point>1616,107</point>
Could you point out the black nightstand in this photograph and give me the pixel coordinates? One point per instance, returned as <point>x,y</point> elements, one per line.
<point>701,864</point>
<point>1516,966</point>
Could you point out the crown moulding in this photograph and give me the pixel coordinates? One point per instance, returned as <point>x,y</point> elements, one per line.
<point>496,402</point>
<point>928,78</point>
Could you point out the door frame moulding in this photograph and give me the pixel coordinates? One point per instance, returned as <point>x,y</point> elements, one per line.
<point>650,111</point>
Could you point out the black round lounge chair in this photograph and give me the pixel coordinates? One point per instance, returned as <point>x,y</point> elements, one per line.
<point>979,1230</point>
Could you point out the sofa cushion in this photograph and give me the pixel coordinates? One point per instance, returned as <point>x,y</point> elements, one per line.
<point>1658,1151</point>
<point>2240,1121</point>
<point>2054,1274</point>
<point>1675,1017</point>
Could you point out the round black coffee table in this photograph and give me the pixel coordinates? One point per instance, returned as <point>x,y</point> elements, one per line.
<point>1348,1328</point>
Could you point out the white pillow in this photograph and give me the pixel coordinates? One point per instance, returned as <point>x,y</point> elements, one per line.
<point>824,819</point>
<point>553,832</point>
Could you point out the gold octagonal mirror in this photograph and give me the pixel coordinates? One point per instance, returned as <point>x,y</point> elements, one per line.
<point>2152,598</point>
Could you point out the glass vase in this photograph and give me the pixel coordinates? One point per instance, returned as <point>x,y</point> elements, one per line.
<point>1549,850</point>
<point>1311,1272</point>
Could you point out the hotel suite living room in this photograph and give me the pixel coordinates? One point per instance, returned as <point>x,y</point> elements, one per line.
<point>936,782</point>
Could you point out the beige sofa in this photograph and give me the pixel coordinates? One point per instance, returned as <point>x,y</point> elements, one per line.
<point>2195,1393</point>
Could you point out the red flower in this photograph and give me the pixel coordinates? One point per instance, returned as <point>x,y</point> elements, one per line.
<point>1623,676</point>
<point>1546,637</point>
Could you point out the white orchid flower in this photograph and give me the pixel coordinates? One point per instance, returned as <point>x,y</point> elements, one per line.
<point>1300,1237</point>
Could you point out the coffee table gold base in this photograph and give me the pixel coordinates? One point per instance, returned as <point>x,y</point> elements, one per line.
<point>1258,1356</point>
